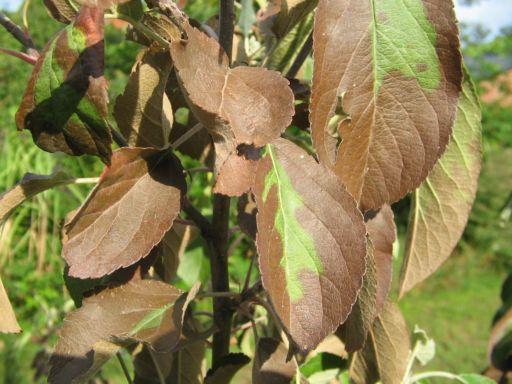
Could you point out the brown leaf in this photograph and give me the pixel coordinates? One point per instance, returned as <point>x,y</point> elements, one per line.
<point>386,351</point>
<point>382,231</point>
<point>270,363</point>
<point>393,69</point>
<point>139,111</point>
<point>65,105</point>
<point>8,322</point>
<point>236,175</point>
<point>442,204</point>
<point>90,334</point>
<point>127,214</point>
<point>227,368</point>
<point>217,94</point>
<point>247,211</point>
<point>29,186</point>
<point>311,242</point>
<point>61,10</point>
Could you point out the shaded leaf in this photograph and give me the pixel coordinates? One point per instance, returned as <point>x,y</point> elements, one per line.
<point>311,242</point>
<point>355,329</point>
<point>217,93</point>
<point>323,362</point>
<point>382,231</point>
<point>29,186</point>
<point>270,363</point>
<point>291,13</point>
<point>441,206</point>
<point>65,105</point>
<point>393,69</point>
<point>385,354</point>
<point>246,216</point>
<point>61,10</point>
<point>228,366</point>
<point>188,364</point>
<point>145,310</point>
<point>127,214</point>
<point>134,9</point>
<point>139,111</point>
<point>500,343</point>
<point>8,322</point>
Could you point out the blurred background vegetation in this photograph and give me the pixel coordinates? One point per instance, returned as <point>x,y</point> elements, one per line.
<point>455,306</point>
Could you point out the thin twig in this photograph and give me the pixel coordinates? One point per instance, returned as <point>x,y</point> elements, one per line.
<point>161,377</point>
<point>187,135</point>
<point>197,217</point>
<point>227,26</point>
<point>301,57</point>
<point>249,272</point>
<point>86,180</point>
<point>124,367</point>
<point>20,55</point>
<point>18,34</point>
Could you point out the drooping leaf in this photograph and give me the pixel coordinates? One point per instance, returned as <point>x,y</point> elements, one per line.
<point>139,111</point>
<point>217,94</point>
<point>145,310</point>
<point>227,369</point>
<point>500,343</point>
<point>61,10</point>
<point>393,69</point>
<point>354,330</point>
<point>441,206</point>
<point>311,242</point>
<point>382,231</point>
<point>65,105</point>
<point>270,363</point>
<point>384,356</point>
<point>127,214</point>
<point>8,322</point>
<point>29,186</point>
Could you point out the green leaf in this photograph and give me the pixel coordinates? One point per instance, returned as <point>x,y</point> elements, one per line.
<point>311,242</point>
<point>322,362</point>
<point>117,316</point>
<point>386,55</point>
<point>472,378</point>
<point>65,105</point>
<point>424,346</point>
<point>441,206</point>
<point>8,322</point>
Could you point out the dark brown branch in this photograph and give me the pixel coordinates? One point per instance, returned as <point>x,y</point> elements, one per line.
<point>19,34</point>
<point>227,26</point>
<point>301,57</point>
<point>202,222</point>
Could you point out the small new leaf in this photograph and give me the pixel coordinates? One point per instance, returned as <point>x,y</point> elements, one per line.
<point>127,214</point>
<point>65,105</point>
<point>311,242</point>
<point>441,206</point>
<point>394,69</point>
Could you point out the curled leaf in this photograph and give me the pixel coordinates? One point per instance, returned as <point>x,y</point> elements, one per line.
<point>392,71</point>
<point>311,242</point>
<point>127,214</point>
<point>65,105</point>
<point>441,206</point>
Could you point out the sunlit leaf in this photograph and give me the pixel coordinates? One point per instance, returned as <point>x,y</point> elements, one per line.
<point>8,322</point>
<point>127,214</point>
<point>393,69</point>
<point>65,105</point>
<point>311,242</point>
<point>441,206</point>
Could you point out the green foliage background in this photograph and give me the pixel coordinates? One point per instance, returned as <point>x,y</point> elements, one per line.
<point>455,306</point>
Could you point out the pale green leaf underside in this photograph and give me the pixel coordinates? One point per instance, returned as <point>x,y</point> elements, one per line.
<point>299,253</point>
<point>404,40</point>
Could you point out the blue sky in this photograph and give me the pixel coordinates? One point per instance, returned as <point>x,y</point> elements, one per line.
<point>494,14</point>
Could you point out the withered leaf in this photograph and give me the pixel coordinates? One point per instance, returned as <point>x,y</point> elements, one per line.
<point>311,242</point>
<point>270,363</point>
<point>393,69</point>
<point>385,353</point>
<point>8,322</point>
<point>127,214</point>
<point>218,94</point>
<point>61,10</point>
<point>382,231</point>
<point>29,186</point>
<point>65,105</point>
<point>441,206</point>
<point>227,369</point>
<point>139,111</point>
<point>91,334</point>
